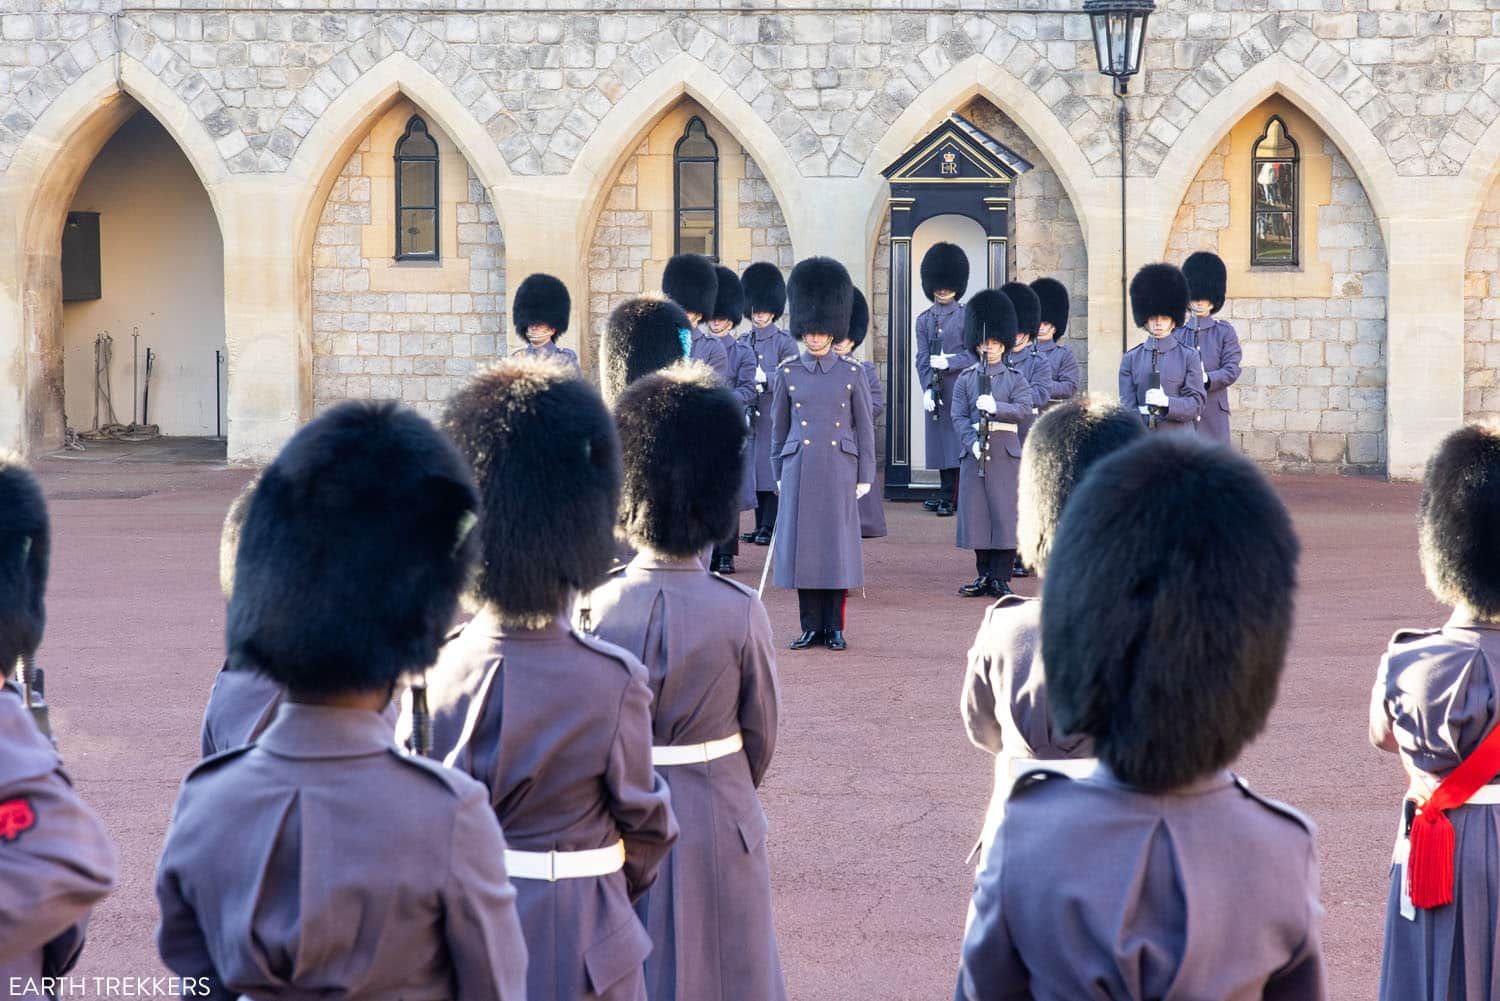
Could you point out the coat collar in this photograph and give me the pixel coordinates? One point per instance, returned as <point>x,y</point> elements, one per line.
<point>769,332</point>
<point>1165,344</point>
<point>27,753</point>
<point>303,731</point>
<point>827,363</point>
<point>488,623</point>
<point>645,559</point>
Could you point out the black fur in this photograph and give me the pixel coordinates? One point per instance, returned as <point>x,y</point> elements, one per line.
<point>1460,520</point>
<point>25,553</point>
<point>1028,306</point>
<point>1064,443</point>
<point>1159,290</point>
<point>859,319</point>
<point>1167,608</point>
<point>542,299</point>
<point>229,537</point>
<point>682,436</point>
<point>765,289</point>
<point>1207,278</point>
<point>729,300</point>
<point>689,280</point>
<point>353,552</point>
<point>990,315</point>
<point>547,461</point>
<point>821,297</point>
<point>945,265</point>
<point>643,335</point>
<point>1053,296</point>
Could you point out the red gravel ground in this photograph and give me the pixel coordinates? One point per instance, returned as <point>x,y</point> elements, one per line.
<point>875,796</point>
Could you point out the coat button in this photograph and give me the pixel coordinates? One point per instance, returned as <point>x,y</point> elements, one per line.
<point>807,441</point>
<point>834,444</point>
<point>791,389</point>
<point>804,423</point>
<point>837,424</point>
<point>849,385</point>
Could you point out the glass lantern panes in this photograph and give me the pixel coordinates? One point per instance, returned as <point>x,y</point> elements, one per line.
<point>696,191</point>
<point>416,193</point>
<point>1119,29</point>
<point>1274,163</point>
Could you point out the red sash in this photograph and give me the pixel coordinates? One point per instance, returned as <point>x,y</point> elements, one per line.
<point>1429,867</point>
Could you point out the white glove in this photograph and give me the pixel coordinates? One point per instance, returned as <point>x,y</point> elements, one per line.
<point>978,452</point>
<point>928,403</point>
<point>778,486</point>
<point>1205,378</point>
<point>760,376</point>
<point>986,402</point>
<point>1156,398</point>
<point>939,362</point>
<point>860,489</point>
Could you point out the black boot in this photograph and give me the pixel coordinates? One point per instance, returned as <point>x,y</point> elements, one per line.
<point>724,564</point>
<point>978,589</point>
<point>834,640</point>
<point>1019,569</point>
<point>930,504</point>
<point>999,588</point>
<point>762,537</point>
<point>750,536</point>
<point>944,509</point>
<point>810,638</point>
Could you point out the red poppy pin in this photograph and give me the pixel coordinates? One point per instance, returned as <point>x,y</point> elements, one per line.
<point>16,818</point>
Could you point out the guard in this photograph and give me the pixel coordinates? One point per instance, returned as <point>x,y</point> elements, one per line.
<point>728,311</point>
<point>941,356</point>
<point>1217,344</point>
<point>540,309</point>
<point>871,508</point>
<point>765,297</point>
<point>643,334</point>
<point>1162,378</point>
<point>1052,297</point>
<point>691,281</point>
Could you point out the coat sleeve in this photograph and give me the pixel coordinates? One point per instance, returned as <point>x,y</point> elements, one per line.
<point>1186,408</point>
<point>1017,404</point>
<point>1304,977</point>
<point>744,376</point>
<point>864,431</point>
<point>718,360</point>
<point>1064,384</point>
<point>638,798</point>
<point>990,968</point>
<point>179,937</point>
<point>1382,732</point>
<point>923,351</point>
<point>480,922</point>
<point>1128,398</point>
<point>961,410</point>
<point>977,704</point>
<point>1228,372</point>
<point>760,695</point>
<point>877,395</point>
<point>781,419</point>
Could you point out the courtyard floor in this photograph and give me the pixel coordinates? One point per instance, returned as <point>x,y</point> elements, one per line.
<point>875,795</point>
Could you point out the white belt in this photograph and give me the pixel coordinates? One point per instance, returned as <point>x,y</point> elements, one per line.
<point>697,754</point>
<point>1002,426</point>
<point>553,866</point>
<point>1077,768</point>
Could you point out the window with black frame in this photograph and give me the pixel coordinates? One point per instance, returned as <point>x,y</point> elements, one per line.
<point>696,191</point>
<point>416,193</point>
<point>1274,164</point>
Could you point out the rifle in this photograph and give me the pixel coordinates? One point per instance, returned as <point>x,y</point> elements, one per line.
<point>986,384</point>
<point>1153,413</point>
<point>935,378</point>
<point>33,682</point>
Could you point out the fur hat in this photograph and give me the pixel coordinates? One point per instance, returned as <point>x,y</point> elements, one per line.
<point>229,537</point>
<point>1028,306</point>
<point>353,551</point>
<point>541,299</point>
<point>1159,290</point>
<point>1064,443</point>
<point>821,296</point>
<point>25,552</point>
<point>682,435</point>
<point>547,462</point>
<point>1206,278</point>
<point>1053,296</point>
<point>729,300</point>
<point>642,335</point>
<point>945,265</point>
<point>990,315</point>
<point>765,289</point>
<point>1166,612</point>
<point>859,319</point>
<point>1459,518</point>
<point>690,281</point>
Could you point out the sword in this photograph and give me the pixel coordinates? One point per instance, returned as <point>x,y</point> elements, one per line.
<point>766,570</point>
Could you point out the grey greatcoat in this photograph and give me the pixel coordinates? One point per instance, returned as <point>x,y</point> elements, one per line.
<point>563,741</point>
<point>324,861</point>
<point>822,446</point>
<point>944,324</point>
<point>741,361</point>
<point>871,507</point>
<point>1219,353</point>
<point>240,707</point>
<point>1181,379</point>
<point>706,642</point>
<point>56,858</point>
<point>548,350</point>
<point>1062,383</point>
<point>710,350</point>
<point>987,504</point>
<point>1436,695</point>
<point>1093,889</point>
<point>771,346</point>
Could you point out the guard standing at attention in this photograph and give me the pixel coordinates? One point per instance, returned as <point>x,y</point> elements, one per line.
<point>1034,368</point>
<point>644,334</point>
<point>540,310</point>
<point>871,508</point>
<point>728,311</point>
<point>765,298</point>
<point>1052,296</point>
<point>823,454</point>
<point>1162,378</point>
<point>690,281</point>
<point>1217,344</point>
<point>940,357</point>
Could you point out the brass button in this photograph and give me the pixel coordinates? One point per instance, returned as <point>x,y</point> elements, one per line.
<point>834,444</point>
<point>843,405</point>
<point>799,406</point>
<point>807,441</point>
<point>804,423</point>
<point>791,389</point>
<point>837,424</point>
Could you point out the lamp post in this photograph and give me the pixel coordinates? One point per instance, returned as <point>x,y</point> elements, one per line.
<point>1119,28</point>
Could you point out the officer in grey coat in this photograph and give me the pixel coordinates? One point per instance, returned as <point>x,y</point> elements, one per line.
<point>823,453</point>
<point>728,311</point>
<point>322,859</point>
<point>554,721</point>
<point>1063,383</point>
<point>940,356</point>
<point>765,299</point>
<point>1162,378</point>
<point>707,645</point>
<point>540,310</point>
<point>56,859</point>
<point>691,281</point>
<point>1129,882</point>
<point>871,509</point>
<point>1217,344</point>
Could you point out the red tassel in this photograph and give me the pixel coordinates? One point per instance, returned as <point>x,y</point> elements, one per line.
<point>1429,866</point>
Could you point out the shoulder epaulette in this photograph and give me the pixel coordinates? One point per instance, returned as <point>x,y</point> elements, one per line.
<point>624,657</point>
<point>1275,806</point>
<point>733,583</point>
<point>1407,635</point>
<point>1012,601</point>
<point>448,778</point>
<point>1037,777</point>
<point>214,761</point>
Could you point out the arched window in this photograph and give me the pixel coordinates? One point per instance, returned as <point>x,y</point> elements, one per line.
<point>416,193</point>
<point>696,191</point>
<point>1274,163</point>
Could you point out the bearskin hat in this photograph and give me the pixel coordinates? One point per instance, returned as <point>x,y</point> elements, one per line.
<point>1053,297</point>
<point>1166,613</point>
<point>229,537</point>
<point>642,335</point>
<point>765,289</point>
<point>682,435</point>
<point>25,552</point>
<point>544,300</point>
<point>1064,444</point>
<point>729,300</point>
<point>990,315</point>
<point>859,319</point>
<point>1159,290</point>
<point>945,265</point>
<point>1028,306</point>
<point>821,297</point>
<point>1206,278</point>
<point>690,281</point>
<point>354,549</point>
<point>547,462</point>
<point>1459,516</point>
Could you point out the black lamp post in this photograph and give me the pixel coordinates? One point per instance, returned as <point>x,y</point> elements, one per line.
<point>1119,28</point>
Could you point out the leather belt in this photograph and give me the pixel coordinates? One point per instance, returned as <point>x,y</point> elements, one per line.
<point>552,866</point>
<point>697,754</point>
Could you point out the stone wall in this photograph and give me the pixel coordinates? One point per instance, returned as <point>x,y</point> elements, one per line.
<point>1482,314</point>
